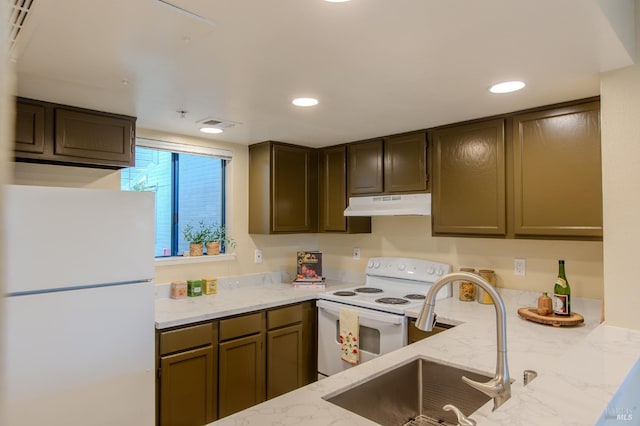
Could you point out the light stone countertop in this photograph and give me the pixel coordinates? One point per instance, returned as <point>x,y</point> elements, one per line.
<point>579,369</point>
<point>236,295</point>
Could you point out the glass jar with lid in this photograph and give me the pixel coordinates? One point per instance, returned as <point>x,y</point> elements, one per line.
<point>490,276</point>
<point>467,288</point>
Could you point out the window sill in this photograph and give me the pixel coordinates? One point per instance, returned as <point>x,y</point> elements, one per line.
<point>184,260</point>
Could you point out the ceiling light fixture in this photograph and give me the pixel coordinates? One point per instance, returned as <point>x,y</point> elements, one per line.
<point>336,1</point>
<point>305,102</point>
<point>507,87</point>
<point>211,130</point>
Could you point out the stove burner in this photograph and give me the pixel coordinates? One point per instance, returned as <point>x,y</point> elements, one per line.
<point>415,296</point>
<point>368,290</point>
<point>392,300</point>
<point>344,293</point>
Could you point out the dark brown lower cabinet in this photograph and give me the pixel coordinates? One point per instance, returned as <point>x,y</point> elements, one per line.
<point>309,342</point>
<point>241,381</point>
<point>187,364</point>
<point>212,370</point>
<point>284,360</point>
<point>187,397</point>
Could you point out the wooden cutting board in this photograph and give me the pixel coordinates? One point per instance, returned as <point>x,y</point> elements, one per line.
<point>531,314</point>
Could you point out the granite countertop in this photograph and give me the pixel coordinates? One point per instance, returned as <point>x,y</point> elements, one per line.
<point>236,295</point>
<point>579,368</point>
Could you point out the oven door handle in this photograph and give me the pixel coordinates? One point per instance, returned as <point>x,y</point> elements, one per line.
<point>369,314</point>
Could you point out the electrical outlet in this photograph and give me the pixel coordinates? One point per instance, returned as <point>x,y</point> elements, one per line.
<point>356,253</point>
<point>257,256</point>
<point>520,267</point>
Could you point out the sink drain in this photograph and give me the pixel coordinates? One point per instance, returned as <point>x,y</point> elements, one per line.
<point>422,420</point>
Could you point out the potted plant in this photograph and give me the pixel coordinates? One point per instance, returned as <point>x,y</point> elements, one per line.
<point>197,236</point>
<point>218,240</point>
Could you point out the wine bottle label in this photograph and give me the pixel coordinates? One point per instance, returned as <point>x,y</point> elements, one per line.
<point>561,282</point>
<point>560,304</point>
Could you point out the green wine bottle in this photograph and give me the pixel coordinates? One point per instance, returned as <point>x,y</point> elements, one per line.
<point>561,293</point>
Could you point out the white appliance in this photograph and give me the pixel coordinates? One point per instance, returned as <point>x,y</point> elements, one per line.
<point>390,205</point>
<point>79,322</point>
<point>392,286</point>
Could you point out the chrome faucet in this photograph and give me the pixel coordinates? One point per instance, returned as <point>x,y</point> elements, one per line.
<point>499,387</point>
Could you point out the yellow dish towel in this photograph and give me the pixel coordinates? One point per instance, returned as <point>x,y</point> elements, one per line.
<point>349,338</point>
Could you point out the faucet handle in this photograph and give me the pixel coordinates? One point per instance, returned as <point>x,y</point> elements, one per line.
<point>492,388</point>
<point>462,419</point>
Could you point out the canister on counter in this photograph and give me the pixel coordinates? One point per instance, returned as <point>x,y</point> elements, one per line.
<point>490,276</point>
<point>210,285</point>
<point>194,288</point>
<point>178,290</point>
<point>467,288</point>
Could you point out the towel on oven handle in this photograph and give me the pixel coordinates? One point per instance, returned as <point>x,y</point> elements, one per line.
<point>349,338</point>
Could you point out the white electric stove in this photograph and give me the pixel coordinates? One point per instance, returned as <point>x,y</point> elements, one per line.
<point>392,286</point>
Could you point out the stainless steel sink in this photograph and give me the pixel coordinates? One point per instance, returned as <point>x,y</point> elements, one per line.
<point>414,393</point>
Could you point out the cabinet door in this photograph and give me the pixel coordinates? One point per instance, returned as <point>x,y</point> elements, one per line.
<point>294,200</point>
<point>241,374</point>
<point>469,179</point>
<point>366,173</point>
<point>333,194</point>
<point>284,360</point>
<point>333,189</point>
<point>93,138</point>
<point>558,174</point>
<point>187,388</point>
<point>405,163</point>
<point>29,135</point>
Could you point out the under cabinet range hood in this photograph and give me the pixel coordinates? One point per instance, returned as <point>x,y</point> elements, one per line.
<point>390,205</point>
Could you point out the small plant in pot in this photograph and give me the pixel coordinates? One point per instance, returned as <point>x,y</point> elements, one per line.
<point>218,240</point>
<point>197,236</point>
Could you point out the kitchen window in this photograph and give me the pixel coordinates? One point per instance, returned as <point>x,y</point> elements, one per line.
<point>189,183</point>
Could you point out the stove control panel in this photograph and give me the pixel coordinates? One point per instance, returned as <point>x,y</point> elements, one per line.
<point>407,268</point>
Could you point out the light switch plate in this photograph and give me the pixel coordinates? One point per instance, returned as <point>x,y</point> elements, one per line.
<point>257,256</point>
<point>356,253</point>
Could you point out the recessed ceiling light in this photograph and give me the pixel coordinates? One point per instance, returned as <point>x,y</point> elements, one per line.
<point>507,87</point>
<point>210,130</point>
<point>305,102</point>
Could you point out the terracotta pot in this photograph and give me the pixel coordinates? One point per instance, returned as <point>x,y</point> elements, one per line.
<point>213,247</point>
<point>195,249</point>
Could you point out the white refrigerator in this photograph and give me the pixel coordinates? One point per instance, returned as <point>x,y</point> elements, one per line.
<point>79,321</point>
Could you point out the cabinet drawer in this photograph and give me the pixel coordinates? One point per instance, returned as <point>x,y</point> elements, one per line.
<point>241,326</point>
<point>284,316</point>
<point>186,338</point>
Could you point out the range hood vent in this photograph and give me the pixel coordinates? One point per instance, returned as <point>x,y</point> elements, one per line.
<point>390,205</point>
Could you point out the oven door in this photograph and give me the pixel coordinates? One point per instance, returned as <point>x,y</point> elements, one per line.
<point>380,333</point>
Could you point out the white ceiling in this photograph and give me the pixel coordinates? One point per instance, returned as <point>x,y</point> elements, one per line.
<point>378,67</point>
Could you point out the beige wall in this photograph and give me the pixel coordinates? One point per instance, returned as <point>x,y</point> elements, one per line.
<point>391,236</point>
<point>621,192</point>
<point>411,237</point>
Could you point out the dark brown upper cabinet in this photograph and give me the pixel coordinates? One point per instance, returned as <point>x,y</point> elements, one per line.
<point>29,132</point>
<point>396,164</point>
<point>366,167</point>
<point>60,134</point>
<point>468,190</point>
<point>558,172</point>
<point>283,188</point>
<point>333,193</point>
<point>405,163</point>
<point>529,174</point>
